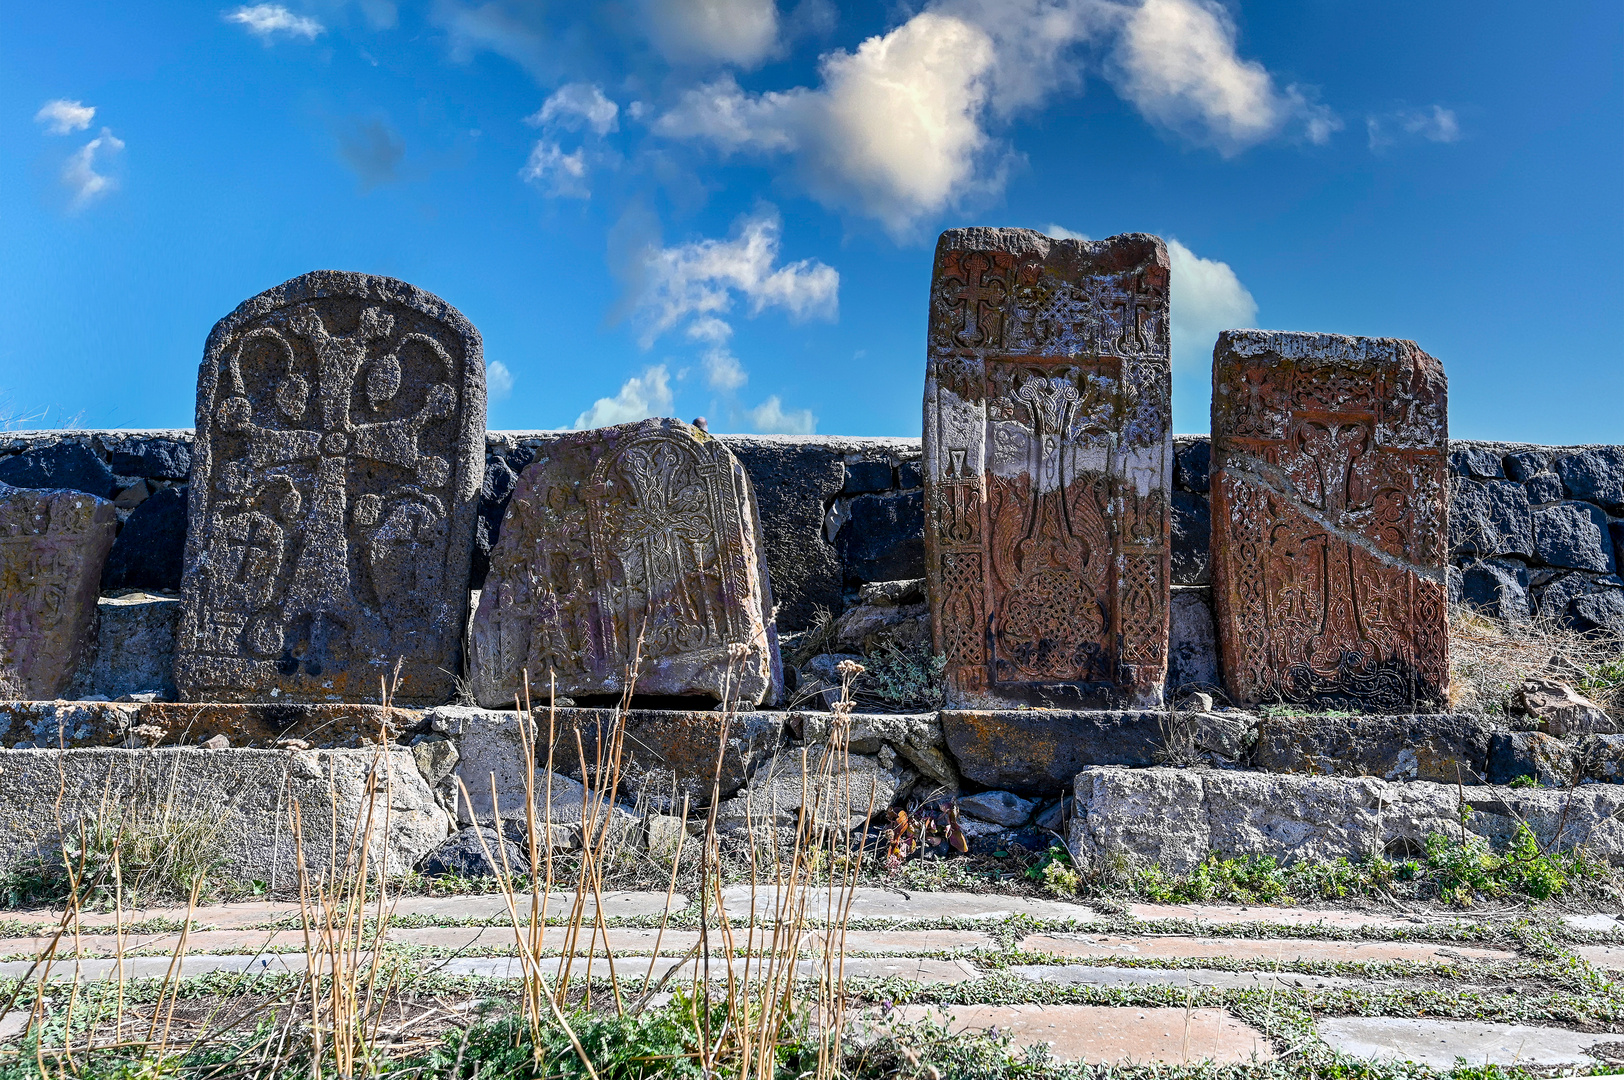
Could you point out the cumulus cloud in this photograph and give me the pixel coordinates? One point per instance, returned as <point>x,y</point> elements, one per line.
<point>770,418</point>
<point>1206,297</point>
<point>498,380</point>
<point>701,279</point>
<point>1433,124</point>
<point>640,396</point>
<point>575,106</point>
<point>62,117</point>
<point>555,172</point>
<point>80,176</point>
<point>267,21</point>
<point>1176,62</point>
<point>1060,232</point>
<point>373,150</point>
<point>742,32</point>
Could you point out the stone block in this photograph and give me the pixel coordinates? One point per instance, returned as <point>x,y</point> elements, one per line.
<point>910,475</point>
<point>468,853</point>
<point>999,807</point>
<point>1573,535</point>
<point>1543,488</point>
<point>1441,1045</point>
<point>68,465</point>
<point>1192,539</point>
<point>1584,601</point>
<point>1039,751</point>
<point>150,551</point>
<point>1444,748</point>
<point>155,459</point>
<point>835,794</point>
<point>1477,462</point>
<point>883,537</point>
<point>794,482</point>
<point>1523,465</point>
<point>1193,465</point>
<point>1490,518</point>
<point>134,650</point>
<point>1192,640</point>
<point>1497,588</point>
<point>1561,711</point>
<point>886,613</point>
<point>53,544</point>
<point>1532,754</point>
<point>335,480</point>
<point>1048,468</point>
<point>635,541</point>
<point>1594,474</point>
<point>866,476</point>
<point>1329,511</point>
<point>1603,758</point>
<point>145,724</point>
<point>239,799</point>
<point>495,491</point>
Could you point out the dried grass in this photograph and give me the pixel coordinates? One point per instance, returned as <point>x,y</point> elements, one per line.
<point>1489,659</point>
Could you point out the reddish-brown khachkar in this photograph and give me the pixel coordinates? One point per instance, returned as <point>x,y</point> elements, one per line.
<point>1329,520</point>
<point>1048,460</point>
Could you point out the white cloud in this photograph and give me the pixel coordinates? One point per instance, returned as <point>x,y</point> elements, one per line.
<point>701,279</point>
<point>268,20</point>
<point>723,371</point>
<point>79,173</point>
<point>1206,297</point>
<point>578,105</point>
<point>62,117</point>
<point>892,133</point>
<point>1060,232</point>
<point>640,396</point>
<point>498,380</point>
<point>560,174</point>
<point>1434,124</point>
<point>769,418</point>
<point>1176,62</point>
<point>743,32</point>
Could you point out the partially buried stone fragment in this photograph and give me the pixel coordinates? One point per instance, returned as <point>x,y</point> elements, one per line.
<point>640,540</point>
<point>52,547</point>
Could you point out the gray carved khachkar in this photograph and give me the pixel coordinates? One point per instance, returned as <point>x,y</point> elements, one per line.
<point>335,479</point>
<point>645,530</point>
<point>52,548</point>
<point>1048,461</point>
<point>1329,520</point>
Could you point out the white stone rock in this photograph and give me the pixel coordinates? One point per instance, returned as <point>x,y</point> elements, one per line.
<point>999,807</point>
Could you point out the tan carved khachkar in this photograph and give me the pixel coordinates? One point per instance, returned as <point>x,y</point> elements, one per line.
<point>1329,520</point>
<point>1048,461</point>
<point>641,531</point>
<point>335,480</point>
<point>53,545</point>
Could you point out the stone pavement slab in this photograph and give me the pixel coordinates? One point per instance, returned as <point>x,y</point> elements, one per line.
<point>892,904</point>
<point>1598,923</point>
<point>1439,1042</point>
<point>616,905</point>
<point>1195,978</point>
<point>198,941</point>
<point>156,967</point>
<point>1098,1034</point>
<point>1610,957</point>
<point>923,969</point>
<point>246,913</point>
<point>1279,950</point>
<point>1236,915</point>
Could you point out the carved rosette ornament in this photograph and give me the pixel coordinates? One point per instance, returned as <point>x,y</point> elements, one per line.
<point>53,545</point>
<point>1329,518</point>
<point>638,540</point>
<point>1048,459</point>
<point>335,482</point>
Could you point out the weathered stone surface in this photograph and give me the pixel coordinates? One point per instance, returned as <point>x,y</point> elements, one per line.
<point>1193,464</point>
<point>837,794</point>
<point>1476,462</point>
<point>1534,755</point>
<point>640,539</point>
<point>1490,518</point>
<point>1174,817</point>
<point>1561,710</point>
<point>1497,588</point>
<point>1603,757</point>
<point>886,613</point>
<point>243,795</point>
<point>1584,601</point>
<point>1574,536</point>
<point>464,855</point>
<point>916,736</point>
<point>1105,1034</point>
<point>865,476</point>
<point>1191,523</point>
<point>1594,474</point>
<point>154,458</point>
<point>882,538</point>
<point>1048,465</point>
<point>134,650</point>
<point>436,757</point>
<point>150,551</point>
<point>1192,640</point>
<point>335,479</point>
<point>502,756</point>
<point>1278,950</point>
<point>66,466</point>
<point>1329,520</point>
<point>999,807</point>
<point>667,834</point>
<point>1445,748</point>
<point>113,723</point>
<point>1439,1043</point>
<point>1041,750</point>
<point>52,547</point>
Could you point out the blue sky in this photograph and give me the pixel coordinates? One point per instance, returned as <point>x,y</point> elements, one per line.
<point>727,207</point>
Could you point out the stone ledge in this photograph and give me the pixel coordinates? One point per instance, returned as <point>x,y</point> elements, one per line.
<point>76,724</point>
<point>1443,747</point>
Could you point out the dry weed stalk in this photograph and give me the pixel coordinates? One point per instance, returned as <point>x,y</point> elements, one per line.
<point>1490,658</point>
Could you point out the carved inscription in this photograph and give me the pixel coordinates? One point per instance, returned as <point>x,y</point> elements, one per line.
<point>1048,459</point>
<point>637,540</point>
<point>1329,527</point>
<point>340,448</point>
<point>53,545</point>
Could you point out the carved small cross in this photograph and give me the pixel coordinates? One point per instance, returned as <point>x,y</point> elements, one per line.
<point>975,289</point>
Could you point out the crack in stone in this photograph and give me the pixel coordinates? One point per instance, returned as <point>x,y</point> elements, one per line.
<point>1262,474</point>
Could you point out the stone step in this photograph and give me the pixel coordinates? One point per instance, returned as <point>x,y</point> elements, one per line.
<point>1439,1042</point>
<point>1336,919</point>
<point>1277,950</point>
<point>922,969</point>
<point>1597,923</point>
<point>895,905</point>
<point>1107,1035</point>
<point>1182,978</point>
<point>1610,957</point>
